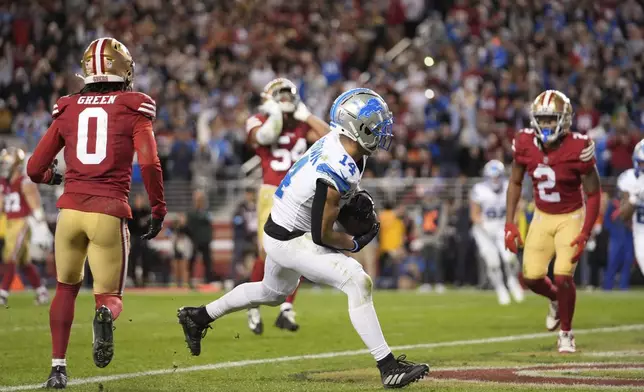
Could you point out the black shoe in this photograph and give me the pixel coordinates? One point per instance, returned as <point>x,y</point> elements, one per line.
<point>401,373</point>
<point>103,337</point>
<point>57,378</point>
<point>286,320</point>
<point>194,327</point>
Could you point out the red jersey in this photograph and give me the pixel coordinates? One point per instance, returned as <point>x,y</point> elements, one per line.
<point>101,133</point>
<point>556,175</point>
<point>277,159</point>
<point>15,203</point>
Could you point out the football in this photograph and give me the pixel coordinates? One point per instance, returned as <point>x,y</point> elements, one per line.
<point>358,215</point>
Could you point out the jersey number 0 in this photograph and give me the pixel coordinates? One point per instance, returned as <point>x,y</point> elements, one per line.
<point>82,144</point>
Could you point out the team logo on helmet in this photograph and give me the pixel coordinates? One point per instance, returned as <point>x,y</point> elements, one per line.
<point>372,106</point>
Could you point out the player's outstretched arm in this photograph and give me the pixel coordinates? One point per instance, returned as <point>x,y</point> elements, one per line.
<point>265,133</point>
<point>512,236</point>
<point>592,188</point>
<point>41,168</point>
<point>514,191</point>
<point>146,149</point>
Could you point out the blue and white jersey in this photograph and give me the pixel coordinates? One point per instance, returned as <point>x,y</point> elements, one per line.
<point>627,182</point>
<point>492,205</point>
<point>326,159</point>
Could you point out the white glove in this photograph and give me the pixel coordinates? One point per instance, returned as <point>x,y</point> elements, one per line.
<point>41,236</point>
<point>302,113</point>
<point>272,108</point>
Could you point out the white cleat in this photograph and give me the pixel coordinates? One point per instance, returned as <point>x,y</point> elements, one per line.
<point>566,342</point>
<point>552,319</point>
<point>425,288</point>
<point>42,296</point>
<point>503,296</point>
<point>440,288</point>
<point>516,289</point>
<point>255,323</point>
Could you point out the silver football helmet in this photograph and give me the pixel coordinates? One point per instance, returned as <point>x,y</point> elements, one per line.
<point>363,116</point>
<point>493,171</point>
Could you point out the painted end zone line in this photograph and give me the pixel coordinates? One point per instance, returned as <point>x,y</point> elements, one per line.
<point>244,363</point>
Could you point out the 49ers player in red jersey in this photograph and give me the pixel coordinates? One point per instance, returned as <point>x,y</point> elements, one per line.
<point>561,164</point>
<point>100,127</point>
<point>279,135</point>
<point>21,201</point>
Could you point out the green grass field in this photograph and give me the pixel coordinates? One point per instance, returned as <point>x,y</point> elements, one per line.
<point>447,331</point>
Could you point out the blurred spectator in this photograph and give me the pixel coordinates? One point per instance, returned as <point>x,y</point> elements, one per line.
<point>620,248</point>
<point>244,236</point>
<point>433,229</point>
<point>199,229</point>
<point>139,262</point>
<point>183,250</point>
<point>621,143</point>
<point>392,242</point>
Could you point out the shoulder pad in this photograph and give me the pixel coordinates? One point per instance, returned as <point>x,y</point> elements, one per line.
<point>140,103</point>
<point>338,176</point>
<point>521,137</point>
<point>254,121</point>
<point>60,105</point>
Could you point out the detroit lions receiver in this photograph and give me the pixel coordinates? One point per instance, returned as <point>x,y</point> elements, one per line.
<point>487,211</point>
<point>631,184</point>
<point>300,241</point>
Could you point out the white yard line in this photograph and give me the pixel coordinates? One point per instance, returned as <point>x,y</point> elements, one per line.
<point>251,362</point>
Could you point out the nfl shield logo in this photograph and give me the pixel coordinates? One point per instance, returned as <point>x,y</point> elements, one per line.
<point>545,160</point>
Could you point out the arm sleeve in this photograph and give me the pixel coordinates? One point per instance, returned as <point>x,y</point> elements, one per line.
<point>517,150</point>
<point>38,167</point>
<point>317,210</point>
<point>146,149</point>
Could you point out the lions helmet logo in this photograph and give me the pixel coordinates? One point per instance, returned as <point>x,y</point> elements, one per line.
<point>372,106</point>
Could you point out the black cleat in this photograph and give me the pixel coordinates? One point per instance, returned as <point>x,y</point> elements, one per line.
<point>194,327</point>
<point>286,320</point>
<point>57,378</point>
<point>402,373</point>
<point>103,328</point>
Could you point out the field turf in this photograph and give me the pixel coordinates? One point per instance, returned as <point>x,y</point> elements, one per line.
<point>454,332</point>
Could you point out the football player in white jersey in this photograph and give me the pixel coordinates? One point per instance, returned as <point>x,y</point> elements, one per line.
<point>487,211</point>
<point>631,184</point>
<point>300,240</point>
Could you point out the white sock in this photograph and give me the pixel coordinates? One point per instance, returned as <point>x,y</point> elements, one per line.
<point>243,296</point>
<point>41,290</point>
<point>365,321</point>
<point>58,362</point>
<point>286,306</point>
<point>4,293</point>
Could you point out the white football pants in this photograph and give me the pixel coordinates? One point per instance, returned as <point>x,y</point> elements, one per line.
<point>491,247</point>
<point>286,262</point>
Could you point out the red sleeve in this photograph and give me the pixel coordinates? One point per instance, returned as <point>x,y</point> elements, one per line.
<point>38,167</point>
<point>587,157</point>
<point>518,149</point>
<point>146,150</point>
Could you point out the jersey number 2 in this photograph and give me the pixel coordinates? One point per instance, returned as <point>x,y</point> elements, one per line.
<point>547,181</point>
<point>82,144</point>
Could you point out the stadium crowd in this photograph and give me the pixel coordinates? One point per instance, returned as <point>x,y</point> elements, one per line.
<point>459,76</point>
<point>459,91</point>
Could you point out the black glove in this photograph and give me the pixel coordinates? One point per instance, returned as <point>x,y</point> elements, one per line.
<point>360,242</point>
<point>56,177</point>
<point>154,227</point>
